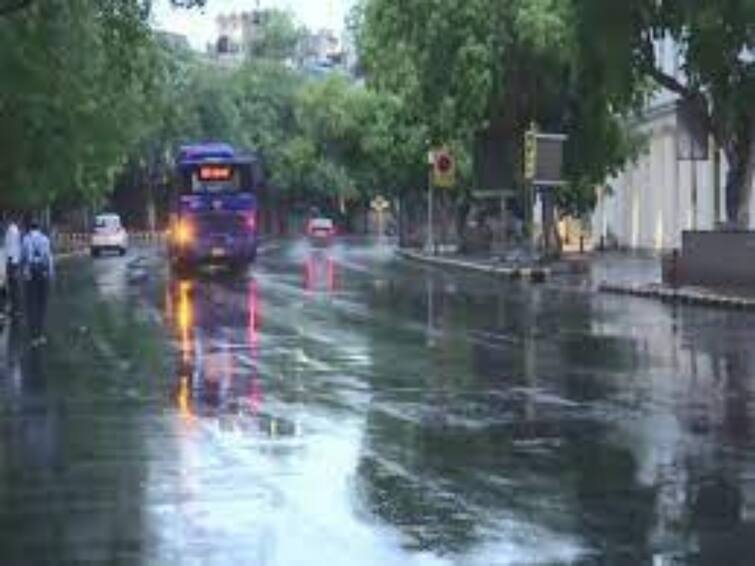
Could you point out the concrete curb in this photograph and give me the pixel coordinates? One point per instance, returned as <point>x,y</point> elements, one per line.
<point>75,244</point>
<point>532,274</point>
<point>685,296</point>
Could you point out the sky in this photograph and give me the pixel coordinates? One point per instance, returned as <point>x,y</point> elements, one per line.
<point>199,24</point>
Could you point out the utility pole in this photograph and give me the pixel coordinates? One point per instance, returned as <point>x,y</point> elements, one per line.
<point>442,175</point>
<point>430,243</point>
<point>716,182</point>
<point>430,218</point>
<point>693,196</point>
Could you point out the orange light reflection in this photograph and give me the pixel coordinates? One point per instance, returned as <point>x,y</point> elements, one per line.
<point>184,398</point>
<point>185,319</point>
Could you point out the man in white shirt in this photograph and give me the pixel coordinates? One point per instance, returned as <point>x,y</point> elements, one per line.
<point>38,268</point>
<point>13,265</point>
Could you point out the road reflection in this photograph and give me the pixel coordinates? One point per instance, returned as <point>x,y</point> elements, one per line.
<point>320,273</point>
<point>217,327</point>
<point>524,418</point>
<point>32,441</point>
<point>72,463</point>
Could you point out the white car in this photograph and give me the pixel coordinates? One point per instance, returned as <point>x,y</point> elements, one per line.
<point>109,235</point>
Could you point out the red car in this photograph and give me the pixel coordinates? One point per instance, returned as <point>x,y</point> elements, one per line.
<point>321,230</point>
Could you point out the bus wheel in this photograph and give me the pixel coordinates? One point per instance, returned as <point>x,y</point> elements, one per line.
<point>181,266</point>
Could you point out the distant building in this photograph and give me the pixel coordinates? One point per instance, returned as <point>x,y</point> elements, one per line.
<point>236,33</point>
<point>320,50</point>
<point>317,53</point>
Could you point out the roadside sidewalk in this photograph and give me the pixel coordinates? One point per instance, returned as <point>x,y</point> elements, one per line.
<point>638,276</point>
<point>615,273</point>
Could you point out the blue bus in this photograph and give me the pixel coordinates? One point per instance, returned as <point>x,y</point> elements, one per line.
<point>213,214</point>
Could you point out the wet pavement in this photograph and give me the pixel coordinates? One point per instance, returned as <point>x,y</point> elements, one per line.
<point>342,407</point>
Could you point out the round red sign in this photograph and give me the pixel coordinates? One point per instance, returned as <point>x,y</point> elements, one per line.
<point>444,163</point>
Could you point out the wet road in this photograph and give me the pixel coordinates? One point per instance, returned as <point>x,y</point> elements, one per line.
<point>341,407</point>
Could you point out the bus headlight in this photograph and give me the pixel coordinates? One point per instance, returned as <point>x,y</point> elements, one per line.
<point>184,233</point>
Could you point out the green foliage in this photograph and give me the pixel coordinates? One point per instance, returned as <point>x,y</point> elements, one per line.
<point>75,97</point>
<point>278,38</point>
<point>88,94</point>
<point>464,67</point>
<point>322,140</point>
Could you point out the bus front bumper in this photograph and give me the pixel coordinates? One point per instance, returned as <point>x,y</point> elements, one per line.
<point>206,251</point>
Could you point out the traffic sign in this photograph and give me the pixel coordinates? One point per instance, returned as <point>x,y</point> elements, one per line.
<point>444,169</point>
<point>380,204</point>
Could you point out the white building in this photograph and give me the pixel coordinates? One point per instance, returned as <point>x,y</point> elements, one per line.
<point>319,48</point>
<point>236,32</point>
<point>655,199</point>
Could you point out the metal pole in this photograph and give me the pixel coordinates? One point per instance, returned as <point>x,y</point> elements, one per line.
<point>430,311</point>
<point>716,182</point>
<point>693,175</point>
<point>604,227</point>
<point>430,235</point>
<point>530,216</point>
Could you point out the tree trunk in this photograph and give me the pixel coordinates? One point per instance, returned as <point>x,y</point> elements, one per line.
<point>151,210</point>
<point>551,238</point>
<point>741,161</point>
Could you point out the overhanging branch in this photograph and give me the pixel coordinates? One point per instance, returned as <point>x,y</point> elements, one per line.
<point>651,69</point>
<point>670,83</point>
<point>674,85</point>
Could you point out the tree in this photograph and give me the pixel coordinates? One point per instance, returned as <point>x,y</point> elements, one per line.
<point>715,40</point>
<point>75,86</point>
<point>479,72</point>
<point>8,7</point>
<point>278,36</point>
<point>366,133</point>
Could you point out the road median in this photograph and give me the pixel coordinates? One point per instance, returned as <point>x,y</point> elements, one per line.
<point>535,274</point>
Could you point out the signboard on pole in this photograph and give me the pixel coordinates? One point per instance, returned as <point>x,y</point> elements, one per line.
<point>444,169</point>
<point>550,160</point>
<point>544,159</point>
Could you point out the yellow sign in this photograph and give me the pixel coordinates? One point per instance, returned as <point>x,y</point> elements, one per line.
<point>530,155</point>
<point>380,204</point>
<point>444,169</point>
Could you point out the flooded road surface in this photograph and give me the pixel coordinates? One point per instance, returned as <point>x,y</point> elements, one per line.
<point>342,407</point>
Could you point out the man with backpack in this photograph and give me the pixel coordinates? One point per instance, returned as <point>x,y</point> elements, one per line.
<point>38,269</point>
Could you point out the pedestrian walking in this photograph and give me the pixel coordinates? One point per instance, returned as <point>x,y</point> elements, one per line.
<point>38,268</point>
<point>13,266</point>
